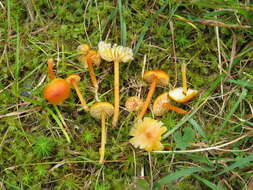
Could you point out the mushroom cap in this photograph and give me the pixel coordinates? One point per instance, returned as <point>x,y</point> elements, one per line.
<point>83,49</point>
<point>178,95</point>
<point>73,78</point>
<point>158,108</point>
<point>95,56</point>
<point>134,103</point>
<point>163,78</point>
<point>99,107</point>
<point>57,91</point>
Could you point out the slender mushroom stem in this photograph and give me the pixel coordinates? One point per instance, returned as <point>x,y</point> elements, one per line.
<point>183,70</point>
<point>174,108</point>
<point>148,99</point>
<point>116,94</point>
<point>80,96</point>
<point>103,138</point>
<point>50,65</point>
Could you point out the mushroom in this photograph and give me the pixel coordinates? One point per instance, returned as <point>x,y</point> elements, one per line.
<point>155,77</point>
<point>133,103</point>
<point>116,54</point>
<point>162,104</point>
<point>102,110</point>
<point>56,90</point>
<point>88,58</point>
<point>182,94</point>
<point>73,80</point>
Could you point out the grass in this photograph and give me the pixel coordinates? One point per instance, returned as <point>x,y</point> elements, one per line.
<point>213,37</point>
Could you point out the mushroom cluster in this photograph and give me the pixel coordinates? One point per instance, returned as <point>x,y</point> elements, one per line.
<point>146,133</point>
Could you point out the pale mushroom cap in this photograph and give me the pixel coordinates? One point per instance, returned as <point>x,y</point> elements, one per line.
<point>83,49</point>
<point>163,78</point>
<point>158,108</point>
<point>114,52</point>
<point>178,95</point>
<point>73,78</point>
<point>95,56</point>
<point>99,107</point>
<point>134,104</point>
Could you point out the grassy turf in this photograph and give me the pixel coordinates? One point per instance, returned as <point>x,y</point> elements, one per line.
<point>213,37</point>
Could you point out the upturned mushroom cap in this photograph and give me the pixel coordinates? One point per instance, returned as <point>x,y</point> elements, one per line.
<point>73,78</point>
<point>83,49</point>
<point>99,107</point>
<point>57,91</point>
<point>178,95</point>
<point>133,104</point>
<point>163,78</point>
<point>158,107</point>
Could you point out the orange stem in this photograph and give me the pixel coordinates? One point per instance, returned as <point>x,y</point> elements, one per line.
<point>80,96</point>
<point>116,94</point>
<point>183,70</point>
<point>148,99</point>
<point>174,108</point>
<point>50,65</point>
<point>92,73</point>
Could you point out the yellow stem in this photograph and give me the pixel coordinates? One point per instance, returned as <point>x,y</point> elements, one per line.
<point>80,96</point>
<point>116,94</point>
<point>148,99</point>
<point>183,70</point>
<point>174,108</point>
<point>50,65</point>
<point>92,73</point>
<point>103,138</point>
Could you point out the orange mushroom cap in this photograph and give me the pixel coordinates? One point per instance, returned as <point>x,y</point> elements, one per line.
<point>57,91</point>
<point>158,107</point>
<point>73,78</point>
<point>178,95</point>
<point>163,78</point>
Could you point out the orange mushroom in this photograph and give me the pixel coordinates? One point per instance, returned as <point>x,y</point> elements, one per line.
<point>102,110</point>
<point>162,104</point>
<point>73,80</point>
<point>155,77</point>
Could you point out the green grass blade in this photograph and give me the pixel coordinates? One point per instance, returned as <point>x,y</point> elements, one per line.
<point>241,83</point>
<point>237,164</point>
<point>234,108</point>
<point>197,127</point>
<point>187,117</point>
<point>208,183</point>
<point>123,31</point>
<point>181,173</point>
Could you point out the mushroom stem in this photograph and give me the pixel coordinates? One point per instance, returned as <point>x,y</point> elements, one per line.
<point>80,96</point>
<point>103,138</point>
<point>183,70</point>
<point>92,73</point>
<point>50,65</point>
<point>174,108</point>
<point>148,99</point>
<point>116,94</point>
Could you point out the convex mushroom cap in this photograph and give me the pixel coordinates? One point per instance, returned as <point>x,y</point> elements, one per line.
<point>133,103</point>
<point>101,107</point>
<point>73,78</point>
<point>178,95</point>
<point>162,77</point>
<point>57,91</point>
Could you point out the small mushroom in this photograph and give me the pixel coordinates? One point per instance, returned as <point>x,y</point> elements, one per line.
<point>182,94</point>
<point>56,90</point>
<point>162,104</point>
<point>88,58</point>
<point>73,80</point>
<point>117,54</point>
<point>133,103</point>
<point>102,110</point>
<point>155,77</point>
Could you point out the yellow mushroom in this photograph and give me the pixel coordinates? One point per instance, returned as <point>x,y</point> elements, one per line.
<point>133,103</point>
<point>102,110</point>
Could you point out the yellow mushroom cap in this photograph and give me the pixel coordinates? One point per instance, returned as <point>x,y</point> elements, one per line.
<point>99,107</point>
<point>178,95</point>
<point>73,78</point>
<point>134,104</point>
<point>163,78</point>
<point>158,107</point>
<point>83,49</point>
<point>95,56</point>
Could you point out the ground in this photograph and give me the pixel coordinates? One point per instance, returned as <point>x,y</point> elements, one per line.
<point>213,142</point>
